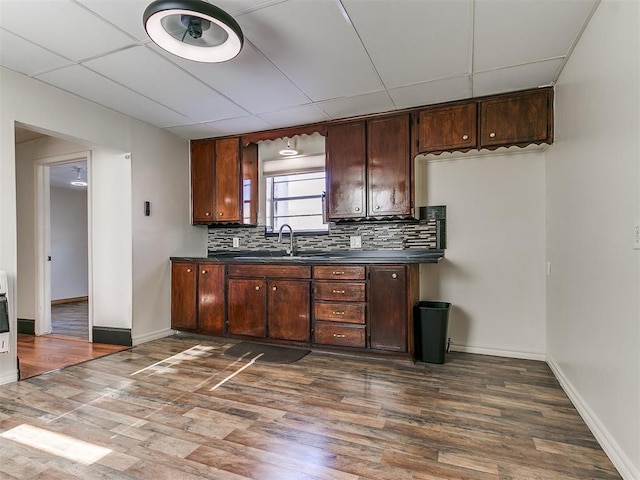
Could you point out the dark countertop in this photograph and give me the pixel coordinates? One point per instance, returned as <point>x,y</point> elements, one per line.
<point>318,257</point>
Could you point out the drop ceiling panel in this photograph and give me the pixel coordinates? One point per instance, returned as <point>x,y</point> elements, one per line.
<point>314,46</point>
<point>510,79</point>
<point>250,80</point>
<point>413,41</point>
<point>428,93</point>
<point>151,75</point>
<point>234,126</point>
<point>294,116</point>
<point>90,85</point>
<point>126,15</point>
<point>359,105</point>
<point>25,57</point>
<point>62,27</point>
<point>512,33</point>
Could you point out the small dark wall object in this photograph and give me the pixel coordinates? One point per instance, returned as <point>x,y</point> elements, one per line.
<point>431,322</point>
<point>147,209</point>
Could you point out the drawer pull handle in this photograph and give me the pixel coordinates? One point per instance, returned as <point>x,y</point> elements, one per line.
<point>337,291</point>
<point>337,273</point>
<point>339,335</point>
<point>257,287</point>
<point>338,313</point>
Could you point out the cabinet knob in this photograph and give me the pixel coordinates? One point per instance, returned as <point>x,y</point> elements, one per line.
<point>221,214</point>
<point>257,287</point>
<point>465,137</point>
<point>337,291</point>
<point>204,272</point>
<point>492,135</point>
<point>377,207</point>
<point>274,288</point>
<point>357,209</point>
<point>339,335</point>
<point>188,270</point>
<point>394,275</point>
<point>207,214</point>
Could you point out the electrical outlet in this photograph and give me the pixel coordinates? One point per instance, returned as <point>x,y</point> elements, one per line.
<point>355,241</point>
<point>236,242</point>
<point>636,235</point>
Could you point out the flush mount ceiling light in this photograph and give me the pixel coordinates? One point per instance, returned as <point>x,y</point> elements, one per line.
<point>288,152</point>
<point>78,182</point>
<point>193,29</point>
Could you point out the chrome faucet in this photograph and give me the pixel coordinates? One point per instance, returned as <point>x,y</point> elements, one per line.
<point>289,251</point>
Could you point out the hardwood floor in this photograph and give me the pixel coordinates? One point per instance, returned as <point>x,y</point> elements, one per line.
<point>177,408</point>
<point>42,354</point>
<point>71,319</point>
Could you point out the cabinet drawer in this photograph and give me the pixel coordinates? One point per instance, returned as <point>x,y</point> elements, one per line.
<point>342,335</point>
<point>270,271</point>
<point>341,291</point>
<point>340,312</point>
<point>328,272</point>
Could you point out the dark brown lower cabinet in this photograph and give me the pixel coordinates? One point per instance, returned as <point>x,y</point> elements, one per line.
<point>288,310</point>
<point>211,298</point>
<point>388,313</point>
<point>184,291</point>
<point>246,307</point>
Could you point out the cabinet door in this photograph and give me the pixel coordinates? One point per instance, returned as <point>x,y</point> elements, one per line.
<point>246,307</point>
<point>250,184</point>
<point>227,180</point>
<point>211,298</point>
<point>389,166</point>
<point>446,128</point>
<point>518,119</point>
<point>289,310</point>
<point>388,315</point>
<point>202,208</point>
<point>183,295</point>
<point>346,171</point>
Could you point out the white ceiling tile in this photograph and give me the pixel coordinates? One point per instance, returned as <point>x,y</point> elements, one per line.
<point>234,126</point>
<point>250,80</point>
<point>90,85</point>
<point>25,57</point>
<point>200,130</point>
<point>126,15</point>
<point>359,105</point>
<point>521,77</point>
<point>413,41</point>
<point>294,116</point>
<point>62,27</point>
<point>515,32</point>
<point>151,75</point>
<point>314,46</point>
<point>438,91</point>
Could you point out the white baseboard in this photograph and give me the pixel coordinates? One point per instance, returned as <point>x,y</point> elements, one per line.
<point>9,377</point>
<point>498,352</point>
<point>165,332</point>
<point>604,438</point>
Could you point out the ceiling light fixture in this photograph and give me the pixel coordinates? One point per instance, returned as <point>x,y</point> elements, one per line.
<point>288,152</point>
<point>193,29</point>
<point>78,182</point>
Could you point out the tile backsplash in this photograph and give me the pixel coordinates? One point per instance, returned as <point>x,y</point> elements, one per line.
<point>375,236</point>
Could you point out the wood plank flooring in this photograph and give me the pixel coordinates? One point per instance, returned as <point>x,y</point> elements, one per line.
<point>71,319</point>
<point>178,409</point>
<point>40,354</point>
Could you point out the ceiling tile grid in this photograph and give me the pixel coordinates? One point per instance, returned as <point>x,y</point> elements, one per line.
<point>304,61</point>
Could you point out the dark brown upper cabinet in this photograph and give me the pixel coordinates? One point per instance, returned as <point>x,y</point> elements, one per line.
<point>369,169</point>
<point>445,128</point>
<point>520,119</point>
<point>220,170</point>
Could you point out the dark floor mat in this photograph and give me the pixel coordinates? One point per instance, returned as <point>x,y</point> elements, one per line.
<point>267,353</point>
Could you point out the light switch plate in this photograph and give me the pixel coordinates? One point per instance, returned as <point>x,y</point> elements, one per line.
<point>355,241</point>
<point>236,242</point>
<point>636,235</point>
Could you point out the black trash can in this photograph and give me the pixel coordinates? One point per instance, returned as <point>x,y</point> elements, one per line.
<point>430,324</point>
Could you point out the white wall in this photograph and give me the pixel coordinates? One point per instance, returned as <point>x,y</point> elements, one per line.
<point>69,243</point>
<point>593,199</point>
<point>494,270</point>
<point>159,172</point>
